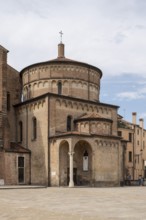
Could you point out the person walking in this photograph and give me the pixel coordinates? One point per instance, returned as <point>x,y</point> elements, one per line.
<point>140,181</point>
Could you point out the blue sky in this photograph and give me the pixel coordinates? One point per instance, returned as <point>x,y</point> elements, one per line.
<point>110,34</point>
<point>128,91</point>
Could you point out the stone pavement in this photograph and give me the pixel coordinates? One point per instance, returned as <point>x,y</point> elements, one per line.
<point>73,203</point>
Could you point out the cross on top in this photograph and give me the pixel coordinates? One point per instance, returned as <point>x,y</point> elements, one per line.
<point>61,33</point>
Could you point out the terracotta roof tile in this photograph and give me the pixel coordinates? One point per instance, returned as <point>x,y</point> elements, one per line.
<point>91,115</point>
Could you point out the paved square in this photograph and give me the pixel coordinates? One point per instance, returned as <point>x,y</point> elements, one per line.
<point>73,203</point>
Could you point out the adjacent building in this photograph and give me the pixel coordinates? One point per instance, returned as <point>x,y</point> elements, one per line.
<point>135,149</point>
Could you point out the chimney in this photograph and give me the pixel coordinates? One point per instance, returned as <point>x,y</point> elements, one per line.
<point>134,117</point>
<point>141,123</point>
<point>60,50</point>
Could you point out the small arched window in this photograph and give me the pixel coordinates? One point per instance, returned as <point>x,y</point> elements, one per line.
<point>20,131</point>
<point>8,101</point>
<point>69,122</point>
<point>29,92</point>
<point>34,128</point>
<point>85,161</point>
<point>59,88</point>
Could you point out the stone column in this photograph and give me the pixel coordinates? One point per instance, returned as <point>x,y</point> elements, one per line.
<point>71,181</point>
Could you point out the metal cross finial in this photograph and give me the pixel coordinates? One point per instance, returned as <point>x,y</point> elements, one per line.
<point>61,33</point>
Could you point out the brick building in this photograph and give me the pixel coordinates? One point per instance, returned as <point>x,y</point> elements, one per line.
<point>53,128</point>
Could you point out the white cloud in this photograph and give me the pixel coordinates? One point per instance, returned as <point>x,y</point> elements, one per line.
<point>132,95</point>
<point>142,90</point>
<point>108,34</point>
<point>142,115</point>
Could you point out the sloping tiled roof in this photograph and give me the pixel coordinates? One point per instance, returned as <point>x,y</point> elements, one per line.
<point>60,60</point>
<point>92,116</point>
<point>17,148</point>
<point>63,59</point>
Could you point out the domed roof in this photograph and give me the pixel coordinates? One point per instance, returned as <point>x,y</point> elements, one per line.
<point>61,59</point>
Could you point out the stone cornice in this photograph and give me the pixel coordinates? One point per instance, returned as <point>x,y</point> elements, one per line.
<point>67,98</point>
<point>62,62</point>
<point>75,134</point>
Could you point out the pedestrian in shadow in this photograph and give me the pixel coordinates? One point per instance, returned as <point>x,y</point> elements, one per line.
<point>140,181</point>
<point>129,180</point>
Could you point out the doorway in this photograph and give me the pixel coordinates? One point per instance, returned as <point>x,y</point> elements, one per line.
<point>83,159</point>
<point>21,170</point>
